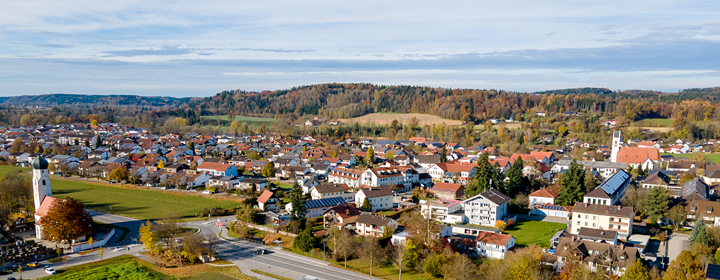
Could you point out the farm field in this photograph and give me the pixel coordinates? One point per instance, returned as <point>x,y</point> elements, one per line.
<point>534,232</point>
<point>656,122</point>
<point>135,203</point>
<point>658,129</point>
<point>710,157</point>
<point>387,118</point>
<point>240,118</point>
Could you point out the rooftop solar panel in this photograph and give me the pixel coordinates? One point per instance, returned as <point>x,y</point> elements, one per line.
<point>614,183</point>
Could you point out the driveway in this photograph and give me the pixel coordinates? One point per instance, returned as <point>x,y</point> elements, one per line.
<point>676,244</point>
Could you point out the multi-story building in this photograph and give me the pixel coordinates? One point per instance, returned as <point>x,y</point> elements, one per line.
<point>332,190</point>
<point>452,171</point>
<point>448,190</point>
<point>543,196</point>
<point>609,217</point>
<point>603,168</point>
<point>443,210</point>
<point>380,198</point>
<point>386,176</point>
<point>486,208</point>
<point>610,190</point>
<point>615,259</point>
<point>350,177</point>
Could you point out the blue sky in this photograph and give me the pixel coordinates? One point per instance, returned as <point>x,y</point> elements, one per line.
<point>198,48</point>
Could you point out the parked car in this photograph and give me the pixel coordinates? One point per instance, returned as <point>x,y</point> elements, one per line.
<point>32,264</point>
<point>261,252</point>
<point>206,192</point>
<point>50,270</point>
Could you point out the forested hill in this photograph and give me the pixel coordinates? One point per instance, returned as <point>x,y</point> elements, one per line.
<point>81,100</point>
<point>351,100</point>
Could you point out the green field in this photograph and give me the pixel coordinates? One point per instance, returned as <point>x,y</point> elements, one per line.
<point>715,158</point>
<point>656,122</point>
<point>135,203</point>
<point>5,169</point>
<point>240,118</point>
<point>534,232</point>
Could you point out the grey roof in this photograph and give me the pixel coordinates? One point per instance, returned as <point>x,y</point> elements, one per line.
<point>325,202</point>
<point>606,210</point>
<point>695,186</point>
<point>376,191</point>
<point>658,178</point>
<point>597,234</point>
<point>616,183</point>
<point>594,164</point>
<point>370,219</point>
<point>495,196</point>
<point>329,188</point>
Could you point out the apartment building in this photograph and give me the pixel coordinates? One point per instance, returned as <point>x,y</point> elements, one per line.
<point>386,176</point>
<point>486,208</point>
<point>606,217</point>
<point>350,177</point>
<point>443,210</point>
<point>332,190</point>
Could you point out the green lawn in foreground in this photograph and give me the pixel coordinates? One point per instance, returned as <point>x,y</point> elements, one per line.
<point>124,267</point>
<point>135,203</point>
<point>534,232</point>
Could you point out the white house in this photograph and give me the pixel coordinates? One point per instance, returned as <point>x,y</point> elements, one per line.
<point>350,177</point>
<point>386,176</point>
<point>486,208</point>
<point>380,198</point>
<point>372,225</point>
<point>494,245</point>
<point>332,190</point>
<point>443,210</point>
<point>543,196</point>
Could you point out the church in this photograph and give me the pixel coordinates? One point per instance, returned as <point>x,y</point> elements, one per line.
<point>42,193</point>
<point>646,157</point>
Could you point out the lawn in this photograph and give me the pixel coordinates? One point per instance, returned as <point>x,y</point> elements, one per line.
<point>128,267</point>
<point>534,232</point>
<point>710,157</point>
<point>6,169</point>
<point>657,122</point>
<point>136,203</point>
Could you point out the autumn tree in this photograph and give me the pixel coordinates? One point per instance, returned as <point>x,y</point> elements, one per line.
<point>677,216</point>
<point>370,157</point>
<point>684,267</point>
<point>149,237</point>
<point>268,170</point>
<point>636,271</point>
<point>66,220</point>
<point>398,256</point>
<point>160,164</point>
<point>371,250</point>
<point>120,174</point>
<point>246,213</point>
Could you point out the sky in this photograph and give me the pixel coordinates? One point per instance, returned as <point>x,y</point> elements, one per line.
<point>199,48</point>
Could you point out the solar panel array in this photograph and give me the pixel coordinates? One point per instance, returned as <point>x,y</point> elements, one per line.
<point>552,207</point>
<point>612,184</point>
<point>325,202</point>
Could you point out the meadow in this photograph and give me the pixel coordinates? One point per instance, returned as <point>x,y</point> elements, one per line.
<point>387,118</point>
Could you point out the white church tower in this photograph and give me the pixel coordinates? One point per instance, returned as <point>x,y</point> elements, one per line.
<point>41,187</point>
<point>616,142</point>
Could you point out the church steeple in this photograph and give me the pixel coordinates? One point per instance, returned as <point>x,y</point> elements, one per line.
<point>40,181</point>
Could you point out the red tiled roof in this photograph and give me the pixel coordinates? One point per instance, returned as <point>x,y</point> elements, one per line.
<point>493,238</point>
<point>214,166</point>
<point>45,206</point>
<point>545,192</point>
<point>265,196</point>
<point>442,186</point>
<point>637,155</point>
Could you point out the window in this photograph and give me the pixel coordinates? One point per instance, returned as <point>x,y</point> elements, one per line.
<point>586,223</point>
<point>593,224</point>
<point>43,182</point>
<point>594,217</point>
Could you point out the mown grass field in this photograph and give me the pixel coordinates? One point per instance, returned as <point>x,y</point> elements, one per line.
<point>387,118</point>
<point>656,122</point>
<point>136,203</point>
<point>128,267</point>
<point>240,118</point>
<point>534,232</point>
<point>708,156</point>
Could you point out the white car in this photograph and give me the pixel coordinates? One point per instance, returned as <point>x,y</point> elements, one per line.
<point>50,270</point>
<point>206,192</point>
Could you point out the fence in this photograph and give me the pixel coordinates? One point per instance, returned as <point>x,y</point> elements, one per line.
<point>96,243</point>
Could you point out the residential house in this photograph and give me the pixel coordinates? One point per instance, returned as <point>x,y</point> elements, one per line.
<point>610,217</point>
<point>267,201</point>
<point>452,172</point>
<point>443,210</point>
<point>380,198</point>
<point>494,245</point>
<point>332,190</point>
<point>372,225</point>
<point>316,208</point>
<point>448,191</point>
<point>603,168</point>
<point>543,196</point>
<point>615,259</point>
<point>340,216</point>
<point>711,177</point>
<point>246,183</point>
<point>350,177</point>
<point>387,176</point>
<point>218,169</point>
<point>486,208</point>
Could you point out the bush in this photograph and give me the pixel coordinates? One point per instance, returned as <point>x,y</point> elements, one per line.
<point>501,225</point>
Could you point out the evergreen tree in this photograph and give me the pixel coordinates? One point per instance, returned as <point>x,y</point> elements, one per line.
<point>191,147</point>
<point>297,198</point>
<point>366,205</point>
<point>487,175</point>
<point>572,189</point>
<point>590,181</point>
<point>305,241</point>
<point>443,155</point>
<point>98,142</point>
<point>656,203</point>
<point>515,178</point>
<point>698,234</point>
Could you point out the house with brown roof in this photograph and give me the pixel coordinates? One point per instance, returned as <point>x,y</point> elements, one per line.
<point>372,225</point>
<point>543,196</point>
<point>648,158</point>
<point>494,245</point>
<point>350,177</point>
<point>606,217</point>
<point>332,190</point>
<point>267,201</point>
<point>452,171</point>
<point>340,216</point>
<point>614,259</point>
<point>448,191</point>
<point>380,198</point>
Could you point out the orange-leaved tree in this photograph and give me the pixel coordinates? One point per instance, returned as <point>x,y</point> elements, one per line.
<point>66,220</point>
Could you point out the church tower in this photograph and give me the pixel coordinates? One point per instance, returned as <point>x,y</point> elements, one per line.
<point>40,181</point>
<point>616,142</point>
